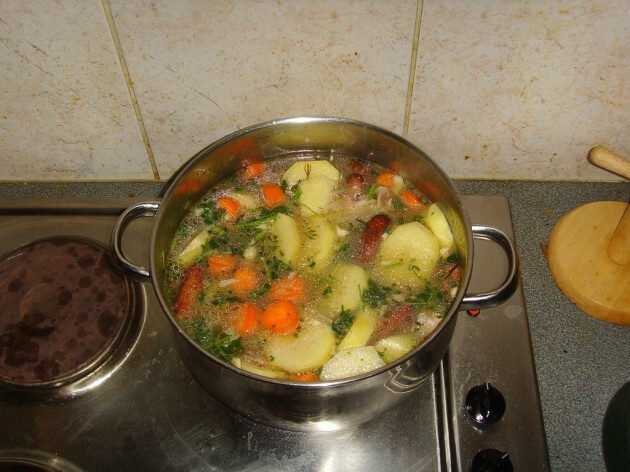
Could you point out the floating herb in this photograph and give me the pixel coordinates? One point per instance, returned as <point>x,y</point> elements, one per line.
<point>223,297</point>
<point>219,344</point>
<point>375,295</point>
<point>343,322</point>
<point>210,213</point>
<point>274,267</point>
<point>297,193</point>
<point>430,298</point>
<point>372,192</point>
<point>260,216</point>
<point>453,258</point>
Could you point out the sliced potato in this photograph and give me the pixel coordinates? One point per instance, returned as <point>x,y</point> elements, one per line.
<point>193,249</point>
<point>435,220</point>
<point>408,256</point>
<point>317,194</point>
<point>394,347</point>
<point>254,369</point>
<point>245,200</point>
<point>302,170</point>
<point>285,230</point>
<point>310,349</point>
<point>348,282</point>
<point>350,362</point>
<point>361,330</point>
<point>319,243</point>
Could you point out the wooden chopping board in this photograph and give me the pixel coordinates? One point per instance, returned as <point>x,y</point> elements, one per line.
<point>578,256</point>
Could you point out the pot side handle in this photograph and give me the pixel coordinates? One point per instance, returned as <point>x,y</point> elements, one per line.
<point>135,211</point>
<point>508,287</point>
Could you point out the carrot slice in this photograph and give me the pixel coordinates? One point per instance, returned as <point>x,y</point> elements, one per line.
<point>245,280</point>
<point>254,170</point>
<point>243,147</point>
<point>289,288</point>
<point>188,292</point>
<point>222,264</point>
<point>385,179</point>
<point>411,200</point>
<point>306,377</point>
<point>188,186</point>
<point>247,319</point>
<point>273,195</point>
<point>231,207</point>
<point>280,316</point>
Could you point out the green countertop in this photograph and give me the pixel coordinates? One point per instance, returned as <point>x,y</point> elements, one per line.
<point>581,362</point>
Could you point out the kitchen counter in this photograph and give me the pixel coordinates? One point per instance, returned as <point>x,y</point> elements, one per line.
<point>581,362</point>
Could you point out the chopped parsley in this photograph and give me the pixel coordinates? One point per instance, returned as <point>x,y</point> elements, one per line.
<point>343,322</point>
<point>223,297</point>
<point>453,258</point>
<point>274,267</point>
<point>218,239</point>
<point>430,298</point>
<point>219,344</point>
<point>343,250</point>
<point>375,295</point>
<point>297,193</point>
<point>210,213</point>
<point>260,215</point>
<point>372,192</point>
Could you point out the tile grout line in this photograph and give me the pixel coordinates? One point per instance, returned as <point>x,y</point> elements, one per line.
<point>129,83</point>
<point>412,66</point>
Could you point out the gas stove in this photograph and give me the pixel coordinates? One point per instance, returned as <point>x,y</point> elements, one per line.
<point>135,406</point>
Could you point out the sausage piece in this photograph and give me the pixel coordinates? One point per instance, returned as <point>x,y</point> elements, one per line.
<point>188,292</point>
<point>399,319</point>
<point>356,185</point>
<point>370,239</point>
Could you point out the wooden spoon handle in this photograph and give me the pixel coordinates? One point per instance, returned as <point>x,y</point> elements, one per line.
<point>619,245</point>
<point>610,161</point>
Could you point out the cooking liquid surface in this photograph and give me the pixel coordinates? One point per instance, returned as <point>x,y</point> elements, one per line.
<point>61,306</point>
<point>324,244</point>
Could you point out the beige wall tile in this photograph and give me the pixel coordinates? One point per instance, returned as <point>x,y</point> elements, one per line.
<point>522,89</point>
<point>507,90</point>
<point>65,112</point>
<point>202,70</point>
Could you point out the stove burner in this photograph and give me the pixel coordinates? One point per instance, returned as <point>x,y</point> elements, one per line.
<point>62,307</point>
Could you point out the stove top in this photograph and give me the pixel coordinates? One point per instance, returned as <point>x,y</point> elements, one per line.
<point>140,409</point>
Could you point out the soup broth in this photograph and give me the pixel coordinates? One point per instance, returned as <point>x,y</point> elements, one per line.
<point>312,268</point>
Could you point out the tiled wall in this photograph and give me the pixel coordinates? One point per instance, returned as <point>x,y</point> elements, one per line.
<point>492,89</point>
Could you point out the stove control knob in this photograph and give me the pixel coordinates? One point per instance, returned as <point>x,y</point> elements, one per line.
<point>491,460</point>
<point>485,404</point>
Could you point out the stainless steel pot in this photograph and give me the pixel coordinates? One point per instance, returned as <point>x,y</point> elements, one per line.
<point>326,405</point>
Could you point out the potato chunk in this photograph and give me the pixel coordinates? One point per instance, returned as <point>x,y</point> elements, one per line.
<point>319,243</point>
<point>351,362</point>
<point>348,281</point>
<point>285,230</point>
<point>317,194</point>
<point>193,249</point>
<point>361,330</point>
<point>245,200</point>
<point>254,369</point>
<point>302,170</point>
<point>435,220</point>
<point>310,349</point>
<point>408,256</point>
<point>394,347</point>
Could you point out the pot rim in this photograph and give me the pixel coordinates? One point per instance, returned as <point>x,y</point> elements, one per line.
<point>183,172</point>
